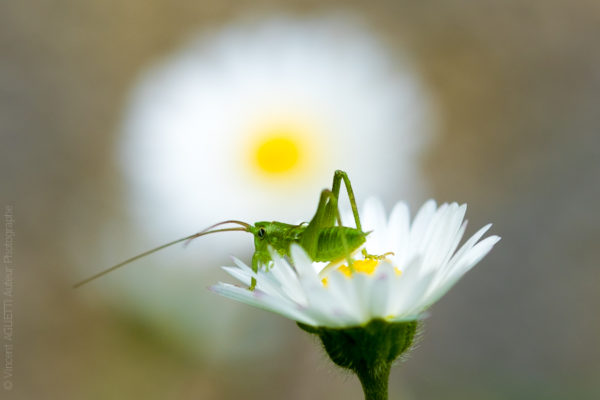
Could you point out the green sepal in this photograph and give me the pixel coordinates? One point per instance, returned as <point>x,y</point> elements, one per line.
<point>368,350</point>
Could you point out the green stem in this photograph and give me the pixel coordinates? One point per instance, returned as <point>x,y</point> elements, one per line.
<point>374,382</point>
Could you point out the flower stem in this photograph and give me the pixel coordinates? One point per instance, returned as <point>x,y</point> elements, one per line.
<point>375,382</point>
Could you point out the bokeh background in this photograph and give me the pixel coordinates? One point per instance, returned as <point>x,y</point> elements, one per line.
<point>514,88</point>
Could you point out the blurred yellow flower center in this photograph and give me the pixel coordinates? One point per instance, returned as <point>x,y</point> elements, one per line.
<point>285,150</point>
<point>277,154</point>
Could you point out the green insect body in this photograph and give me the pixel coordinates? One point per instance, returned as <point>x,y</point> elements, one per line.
<point>331,242</point>
<point>280,236</point>
<point>321,238</point>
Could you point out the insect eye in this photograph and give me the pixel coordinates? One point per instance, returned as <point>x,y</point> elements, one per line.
<point>261,233</point>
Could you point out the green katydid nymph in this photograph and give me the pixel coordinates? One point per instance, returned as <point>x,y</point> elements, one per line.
<point>321,238</point>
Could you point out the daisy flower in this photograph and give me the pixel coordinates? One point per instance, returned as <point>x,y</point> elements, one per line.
<point>366,314</point>
<point>407,267</point>
<point>246,121</point>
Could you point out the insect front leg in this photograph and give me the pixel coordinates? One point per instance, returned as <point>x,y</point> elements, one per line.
<point>255,270</point>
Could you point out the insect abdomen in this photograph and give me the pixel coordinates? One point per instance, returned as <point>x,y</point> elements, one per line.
<point>330,245</point>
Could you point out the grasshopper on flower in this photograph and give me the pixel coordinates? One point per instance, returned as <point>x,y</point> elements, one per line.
<point>321,238</point>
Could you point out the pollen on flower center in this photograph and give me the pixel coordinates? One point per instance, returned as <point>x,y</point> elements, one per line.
<point>367,266</point>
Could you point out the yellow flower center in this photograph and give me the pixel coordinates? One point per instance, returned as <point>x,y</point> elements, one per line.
<point>278,153</point>
<point>367,266</point>
<point>284,150</point>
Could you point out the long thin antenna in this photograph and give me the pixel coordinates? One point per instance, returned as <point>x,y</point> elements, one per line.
<point>205,230</point>
<point>229,221</point>
<point>154,250</point>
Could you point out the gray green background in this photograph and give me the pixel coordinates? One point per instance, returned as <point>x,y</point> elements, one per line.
<point>517,86</point>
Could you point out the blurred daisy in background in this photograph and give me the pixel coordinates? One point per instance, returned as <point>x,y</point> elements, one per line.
<point>249,122</point>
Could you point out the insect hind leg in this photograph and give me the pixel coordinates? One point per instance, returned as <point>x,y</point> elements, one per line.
<point>327,208</point>
<point>331,211</point>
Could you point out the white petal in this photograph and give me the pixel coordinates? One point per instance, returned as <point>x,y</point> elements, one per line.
<point>447,237</point>
<point>283,272</point>
<point>303,264</point>
<point>420,224</point>
<point>473,256</point>
<point>239,274</point>
<point>478,252</point>
<point>379,305</point>
<point>416,300</point>
<point>324,309</point>
<point>343,288</point>
<point>408,278</point>
<point>373,219</point>
<point>466,247</point>
<point>260,300</point>
<point>243,266</point>
<point>398,231</point>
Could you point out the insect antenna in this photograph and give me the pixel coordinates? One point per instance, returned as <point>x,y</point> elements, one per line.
<point>244,228</point>
<point>205,231</point>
